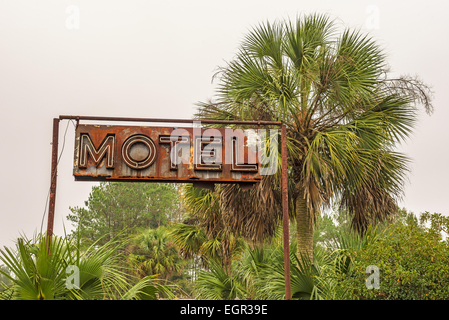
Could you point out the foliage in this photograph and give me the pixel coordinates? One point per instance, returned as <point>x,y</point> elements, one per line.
<point>218,283</point>
<point>152,252</point>
<point>253,214</point>
<point>203,209</point>
<point>413,264</point>
<point>309,280</point>
<point>148,288</point>
<point>37,276</point>
<point>118,207</point>
<point>4,280</point>
<point>258,273</point>
<point>206,232</point>
<point>188,238</point>
<point>329,225</point>
<point>439,224</point>
<point>41,274</point>
<point>334,226</point>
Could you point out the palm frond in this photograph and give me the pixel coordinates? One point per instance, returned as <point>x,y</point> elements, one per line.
<point>148,288</point>
<point>218,284</point>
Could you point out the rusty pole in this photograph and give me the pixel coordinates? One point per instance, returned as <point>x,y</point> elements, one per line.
<point>204,121</point>
<point>285,213</point>
<point>54,166</point>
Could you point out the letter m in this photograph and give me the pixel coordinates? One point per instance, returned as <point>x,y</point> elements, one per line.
<point>106,149</point>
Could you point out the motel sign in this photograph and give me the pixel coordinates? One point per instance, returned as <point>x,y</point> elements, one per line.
<point>167,154</point>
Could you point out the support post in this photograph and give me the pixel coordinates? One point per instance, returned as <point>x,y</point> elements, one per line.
<point>54,174</point>
<point>285,213</point>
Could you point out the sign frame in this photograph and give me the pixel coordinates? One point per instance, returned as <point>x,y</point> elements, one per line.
<point>284,182</point>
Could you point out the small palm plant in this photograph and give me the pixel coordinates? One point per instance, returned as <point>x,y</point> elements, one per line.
<point>41,269</point>
<point>218,283</point>
<point>37,274</point>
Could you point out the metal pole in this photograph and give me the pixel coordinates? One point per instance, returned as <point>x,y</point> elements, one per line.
<point>54,164</point>
<point>285,213</point>
<point>205,121</point>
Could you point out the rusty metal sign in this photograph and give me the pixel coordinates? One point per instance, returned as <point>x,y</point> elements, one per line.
<point>167,154</point>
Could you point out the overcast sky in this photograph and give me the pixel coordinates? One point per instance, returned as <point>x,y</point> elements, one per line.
<point>141,58</point>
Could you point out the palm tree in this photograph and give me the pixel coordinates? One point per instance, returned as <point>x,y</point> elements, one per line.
<point>343,116</point>
<point>153,253</point>
<point>206,232</point>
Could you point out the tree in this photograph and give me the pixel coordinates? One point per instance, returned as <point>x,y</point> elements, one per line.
<point>439,224</point>
<point>154,253</point>
<point>114,207</point>
<point>343,115</point>
<point>413,264</point>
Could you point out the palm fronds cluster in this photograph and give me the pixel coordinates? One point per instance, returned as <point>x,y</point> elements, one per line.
<point>54,268</point>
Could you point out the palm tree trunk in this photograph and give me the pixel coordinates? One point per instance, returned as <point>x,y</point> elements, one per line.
<point>304,227</point>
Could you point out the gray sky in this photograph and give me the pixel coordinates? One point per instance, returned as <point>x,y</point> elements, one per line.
<point>141,58</point>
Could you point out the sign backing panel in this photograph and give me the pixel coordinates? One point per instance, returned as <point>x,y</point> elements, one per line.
<point>165,154</point>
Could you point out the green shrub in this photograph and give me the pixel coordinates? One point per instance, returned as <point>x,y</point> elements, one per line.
<point>413,264</point>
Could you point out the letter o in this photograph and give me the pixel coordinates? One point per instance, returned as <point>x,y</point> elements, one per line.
<point>138,163</point>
